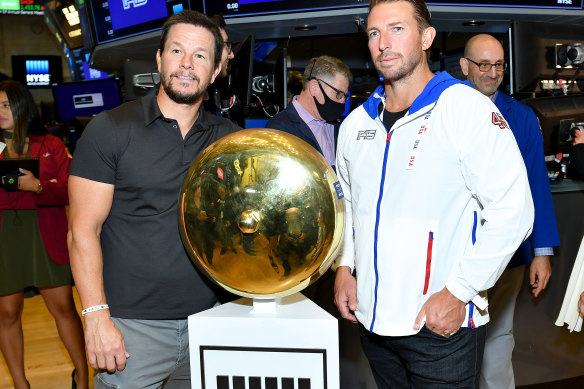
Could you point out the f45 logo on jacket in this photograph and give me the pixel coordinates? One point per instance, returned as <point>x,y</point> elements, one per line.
<point>366,134</point>
<point>498,120</point>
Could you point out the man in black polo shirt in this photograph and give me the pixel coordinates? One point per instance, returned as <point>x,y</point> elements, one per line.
<point>134,277</point>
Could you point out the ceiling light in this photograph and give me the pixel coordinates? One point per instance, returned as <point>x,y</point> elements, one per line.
<point>473,23</point>
<point>305,27</point>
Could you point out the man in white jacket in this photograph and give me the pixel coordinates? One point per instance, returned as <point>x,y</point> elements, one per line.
<point>437,202</point>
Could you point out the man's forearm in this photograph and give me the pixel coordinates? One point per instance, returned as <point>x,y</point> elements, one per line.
<point>87,268</point>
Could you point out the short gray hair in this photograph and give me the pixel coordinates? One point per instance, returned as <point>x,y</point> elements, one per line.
<point>325,67</point>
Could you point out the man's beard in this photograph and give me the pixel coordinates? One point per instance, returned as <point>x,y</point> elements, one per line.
<point>181,98</point>
<point>402,71</point>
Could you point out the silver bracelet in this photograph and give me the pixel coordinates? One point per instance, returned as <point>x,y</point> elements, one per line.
<point>94,308</point>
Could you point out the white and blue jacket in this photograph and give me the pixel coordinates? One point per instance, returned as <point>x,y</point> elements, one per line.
<point>440,199</point>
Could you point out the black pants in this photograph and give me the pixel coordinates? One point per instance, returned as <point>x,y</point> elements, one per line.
<point>425,360</point>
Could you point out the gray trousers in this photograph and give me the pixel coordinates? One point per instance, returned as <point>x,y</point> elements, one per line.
<point>497,369</point>
<point>159,356</point>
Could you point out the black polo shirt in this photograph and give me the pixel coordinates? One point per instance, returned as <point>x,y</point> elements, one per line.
<point>147,271</point>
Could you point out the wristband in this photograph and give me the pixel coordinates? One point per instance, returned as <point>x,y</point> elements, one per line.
<point>39,188</point>
<point>94,308</point>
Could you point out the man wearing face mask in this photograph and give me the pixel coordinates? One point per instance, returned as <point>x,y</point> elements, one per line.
<point>314,114</point>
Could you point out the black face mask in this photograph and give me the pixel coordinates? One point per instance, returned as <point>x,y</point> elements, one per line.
<point>330,110</point>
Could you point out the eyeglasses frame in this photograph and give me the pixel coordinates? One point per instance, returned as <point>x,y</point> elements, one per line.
<point>479,64</point>
<point>337,91</point>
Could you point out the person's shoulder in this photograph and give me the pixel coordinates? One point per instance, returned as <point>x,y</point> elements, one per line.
<point>464,91</point>
<point>47,139</point>
<point>357,116</point>
<point>283,119</point>
<point>519,105</point>
<point>286,114</point>
<point>213,121</point>
<point>459,98</point>
<point>127,111</point>
<point>521,111</point>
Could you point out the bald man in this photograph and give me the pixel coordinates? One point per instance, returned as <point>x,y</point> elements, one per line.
<point>484,65</point>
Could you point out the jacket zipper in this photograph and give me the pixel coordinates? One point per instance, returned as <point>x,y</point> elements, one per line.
<point>376,232</point>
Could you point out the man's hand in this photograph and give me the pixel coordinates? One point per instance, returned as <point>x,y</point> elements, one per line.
<point>105,343</point>
<point>540,272</point>
<point>346,293</point>
<point>444,313</point>
<point>581,304</point>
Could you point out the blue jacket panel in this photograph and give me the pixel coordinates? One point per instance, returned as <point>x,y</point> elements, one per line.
<point>525,127</point>
<point>290,121</point>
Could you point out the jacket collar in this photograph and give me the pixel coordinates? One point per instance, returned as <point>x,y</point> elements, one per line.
<point>432,91</point>
<point>152,110</point>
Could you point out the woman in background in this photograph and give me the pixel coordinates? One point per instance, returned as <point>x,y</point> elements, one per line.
<point>33,234</point>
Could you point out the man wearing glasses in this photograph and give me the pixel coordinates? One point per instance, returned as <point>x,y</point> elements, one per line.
<point>213,99</point>
<point>484,65</point>
<point>227,54</point>
<point>313,115</point>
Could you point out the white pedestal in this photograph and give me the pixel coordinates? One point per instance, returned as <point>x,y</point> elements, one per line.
<point>294,348</point>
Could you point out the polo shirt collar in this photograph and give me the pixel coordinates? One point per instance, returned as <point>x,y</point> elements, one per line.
<point>152,110</point>
<point>150,106</point>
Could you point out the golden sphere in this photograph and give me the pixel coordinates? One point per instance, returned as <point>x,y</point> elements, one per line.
<point>261,213</point>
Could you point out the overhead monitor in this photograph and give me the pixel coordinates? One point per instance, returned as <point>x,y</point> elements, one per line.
<point>37,71</point>
<point>86,98</point>
<point>233,8</point>
<point>22,7</point>
<point>113,20</point>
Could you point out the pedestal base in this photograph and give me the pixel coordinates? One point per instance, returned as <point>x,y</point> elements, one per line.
<point>296,348</point>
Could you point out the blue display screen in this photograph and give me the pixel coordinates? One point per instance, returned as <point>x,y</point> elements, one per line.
<point>88,98</point>
<point>117,19</point>
<point>37,71</point>
<point>127,13</point>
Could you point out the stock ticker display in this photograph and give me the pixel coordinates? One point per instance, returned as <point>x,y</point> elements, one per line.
<point>22,7</point>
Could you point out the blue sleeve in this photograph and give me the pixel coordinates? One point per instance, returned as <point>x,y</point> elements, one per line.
<point>545,229</point>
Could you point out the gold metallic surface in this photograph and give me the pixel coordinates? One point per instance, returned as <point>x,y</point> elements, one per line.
<point>260,215</point>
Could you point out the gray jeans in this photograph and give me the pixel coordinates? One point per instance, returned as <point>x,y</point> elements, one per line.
<point>159,356</point>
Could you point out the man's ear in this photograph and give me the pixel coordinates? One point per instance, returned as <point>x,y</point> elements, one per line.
<point>464,65</point>
<point>428,36</point>
<point>312,86</point>
<point>216,72</point>
<point>158,60</point>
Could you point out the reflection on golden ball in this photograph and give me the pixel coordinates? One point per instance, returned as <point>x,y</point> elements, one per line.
<point>261,213</point>
<point>249,221</point>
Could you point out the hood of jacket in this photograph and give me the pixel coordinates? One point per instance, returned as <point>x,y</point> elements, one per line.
<point>432,91</point>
